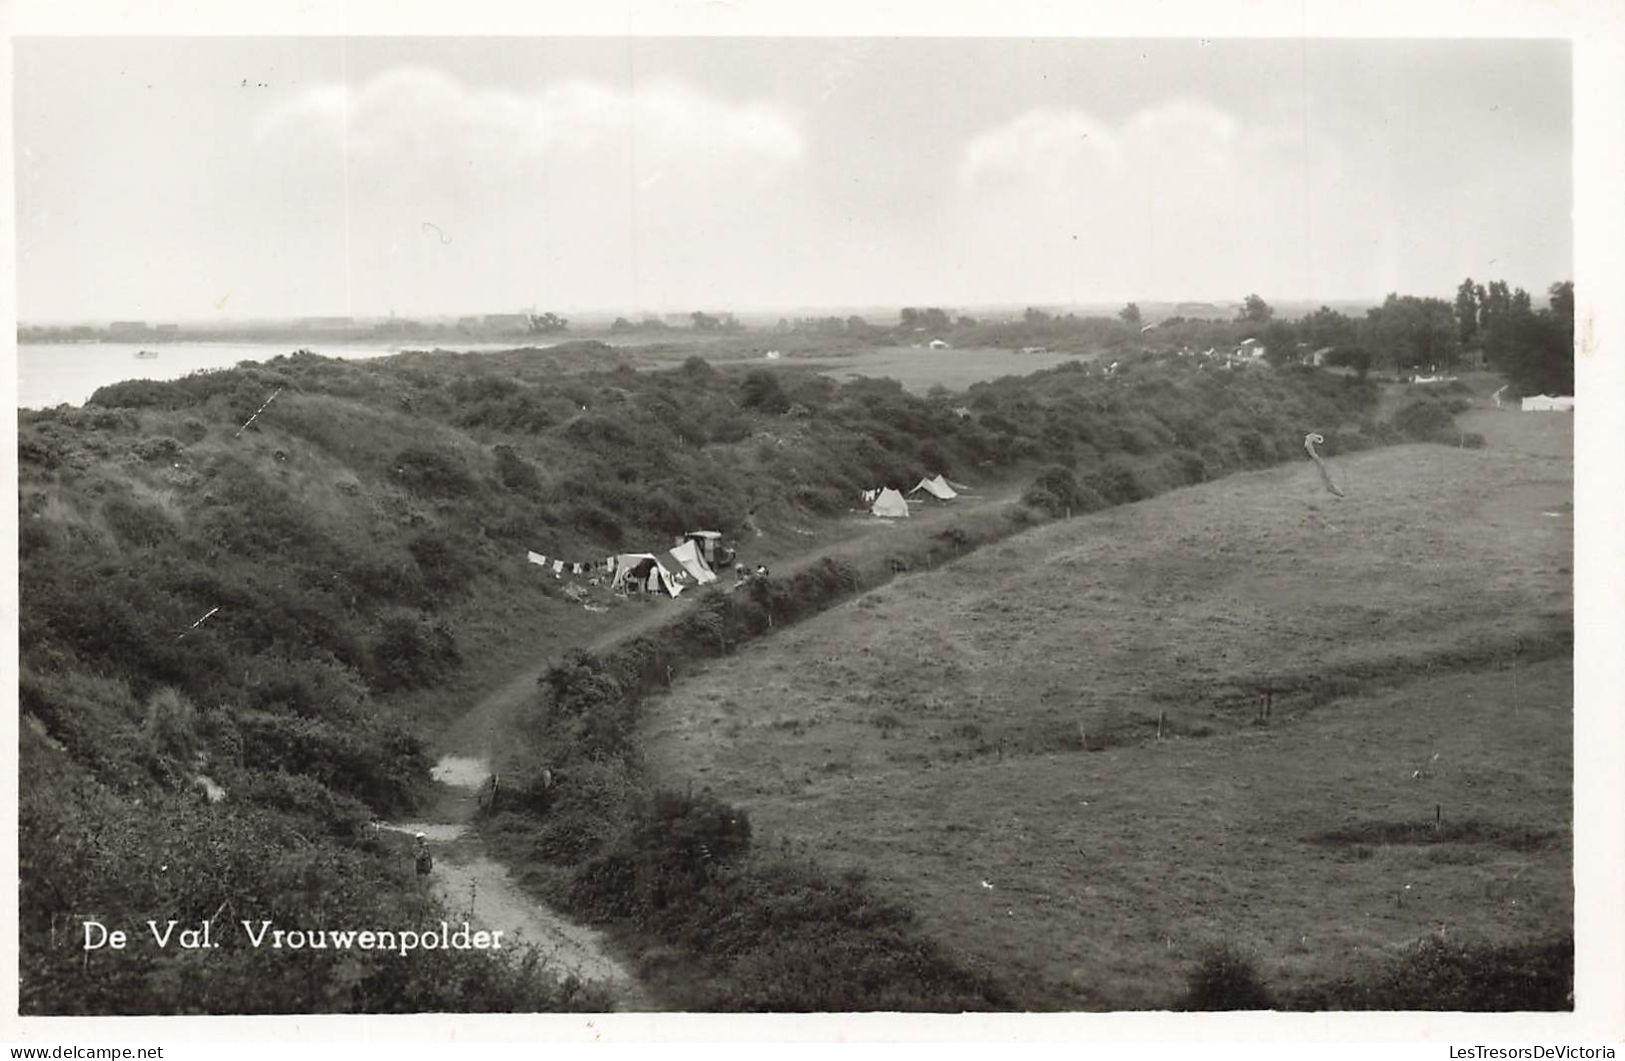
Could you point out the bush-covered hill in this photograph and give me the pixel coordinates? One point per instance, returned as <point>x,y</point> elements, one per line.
<point>351,533</point>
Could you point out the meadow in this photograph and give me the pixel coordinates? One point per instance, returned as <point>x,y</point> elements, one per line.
<point>981,741</point>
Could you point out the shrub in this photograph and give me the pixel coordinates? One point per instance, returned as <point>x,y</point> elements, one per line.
<point>135,523</point>
<point>171,725</point>
<point>444,566</point>
<point>514,472</point>
<point>1424,420</point>
<point>760,390</point>
<point>1225,979</point>
<point>431,473</point>
<point>411,652</point>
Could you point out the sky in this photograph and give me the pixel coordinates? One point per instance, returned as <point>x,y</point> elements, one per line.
<point>207,179</point>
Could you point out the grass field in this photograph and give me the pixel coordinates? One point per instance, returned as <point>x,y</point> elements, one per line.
<point>1413,775</point>
<point>920,369</point>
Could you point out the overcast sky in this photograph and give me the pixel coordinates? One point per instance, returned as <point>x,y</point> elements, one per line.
<point>217,178</point>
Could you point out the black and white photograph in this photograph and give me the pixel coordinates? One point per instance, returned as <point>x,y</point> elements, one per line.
<point>828,522</point>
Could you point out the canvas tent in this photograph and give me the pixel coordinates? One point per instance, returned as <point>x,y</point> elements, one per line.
<point>890,505</point>
<point>642,571</point>
<point>1545,403</point>
<point>689,557</point>
<point>937,488</point>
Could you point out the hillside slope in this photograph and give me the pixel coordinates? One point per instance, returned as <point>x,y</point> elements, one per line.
<point>1413,638</point>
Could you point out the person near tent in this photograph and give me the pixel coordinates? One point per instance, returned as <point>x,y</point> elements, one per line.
<point>761,570</point>
<point>421,857</point>
<point>741,572</point>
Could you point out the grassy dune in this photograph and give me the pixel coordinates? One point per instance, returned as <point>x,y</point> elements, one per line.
<point>1414,639</point>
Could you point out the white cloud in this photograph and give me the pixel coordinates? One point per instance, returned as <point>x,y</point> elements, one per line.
<point>1172,201</point>
<point>565,194</point>
<point>419,110</point>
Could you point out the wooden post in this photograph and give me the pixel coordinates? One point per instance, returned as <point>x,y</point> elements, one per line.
<point>1162,721</point>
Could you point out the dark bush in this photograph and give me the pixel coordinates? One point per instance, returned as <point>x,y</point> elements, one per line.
<point>410,653</point>
<point>1225,979</point>
<point>431,473</point>
<point>760,390</point>
<point>135,523</point>
<point>514,472</point>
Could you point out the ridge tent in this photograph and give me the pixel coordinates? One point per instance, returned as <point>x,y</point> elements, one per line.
<point>642,571</point>
<point>890,505</point>
<point>688,555</point>
<point>937,488</point>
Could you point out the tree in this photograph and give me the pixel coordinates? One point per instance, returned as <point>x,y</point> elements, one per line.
<point>704,322</point>
<point>1467,311</point>
<point>1412,332</point>
<point>1327,327</point>
<point>1255,310</point>
<point>547,322</point>
<point>1130,314</point>
<point>1356,357</point>
<point>1535,351</point>
<point>621,324</point>
<point>1280,339</point>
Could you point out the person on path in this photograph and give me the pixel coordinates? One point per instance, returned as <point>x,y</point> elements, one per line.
<point>421,857</point>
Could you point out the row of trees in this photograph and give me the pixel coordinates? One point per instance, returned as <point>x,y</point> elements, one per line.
<point>1533,348</point>
<point>698,321</point>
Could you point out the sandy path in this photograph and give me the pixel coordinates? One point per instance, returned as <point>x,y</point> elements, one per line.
<point>475,886</point>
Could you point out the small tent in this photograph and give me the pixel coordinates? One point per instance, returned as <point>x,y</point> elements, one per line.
<point>890,505</point>
<point>688,555</point>
<point>642,571</point>
<point>1545,403</point>
<point>937,488</point>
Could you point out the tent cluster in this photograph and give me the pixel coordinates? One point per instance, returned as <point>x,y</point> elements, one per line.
<point>890,504</point>
<point>643,572</point>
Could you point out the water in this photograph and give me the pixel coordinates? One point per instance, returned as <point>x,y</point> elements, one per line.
<point>50,374</point>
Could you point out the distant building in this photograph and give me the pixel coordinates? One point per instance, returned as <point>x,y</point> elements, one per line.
<point>938,344</point>
<point>1318,357</point>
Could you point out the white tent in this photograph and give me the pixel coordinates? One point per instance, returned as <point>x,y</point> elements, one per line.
<point>688,555</point>
<point>642,571</point>
<point>890,505</point>
<point>937,488</point>
<point>1545,403</point>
